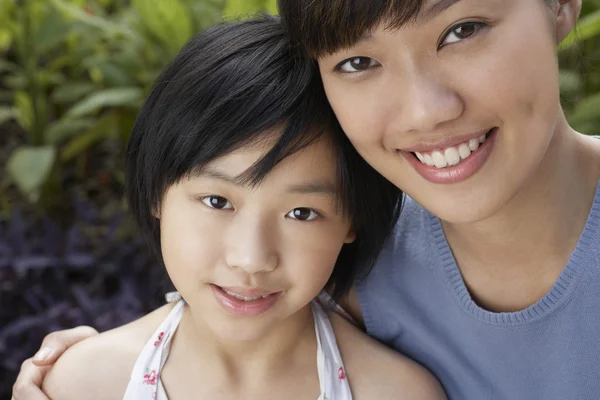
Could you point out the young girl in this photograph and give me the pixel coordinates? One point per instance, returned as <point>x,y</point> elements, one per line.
<point>254,200</point>
<point>492,280</point>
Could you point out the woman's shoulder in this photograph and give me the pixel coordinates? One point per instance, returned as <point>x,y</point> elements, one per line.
<point>375,371</point>
<point>99,367</point>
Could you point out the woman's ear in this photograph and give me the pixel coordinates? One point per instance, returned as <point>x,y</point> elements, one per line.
<point>351,237</point>
<point>566,13</point>
<point>155,211</point>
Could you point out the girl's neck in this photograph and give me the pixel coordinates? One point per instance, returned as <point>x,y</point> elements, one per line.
<point>538,229</point>
<point>293,339</point>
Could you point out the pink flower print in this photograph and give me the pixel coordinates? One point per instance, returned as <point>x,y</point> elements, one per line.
<point>341,374</point>
<point>160,336</point>
<point>150,377</point>
<point>154,395</point>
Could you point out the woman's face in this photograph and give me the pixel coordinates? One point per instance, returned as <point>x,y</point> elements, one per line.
<point>247,258</point>
<point>457,108</point>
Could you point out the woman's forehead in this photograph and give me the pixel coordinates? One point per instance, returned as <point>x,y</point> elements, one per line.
<point>324,27</point>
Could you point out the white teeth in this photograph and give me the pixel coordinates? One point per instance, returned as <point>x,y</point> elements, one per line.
<point>452,155</point>
<point>464,151</point>
<point>438,159</point>
<point>474,144</point>
<point>244,298</point>
<point>428,160</point>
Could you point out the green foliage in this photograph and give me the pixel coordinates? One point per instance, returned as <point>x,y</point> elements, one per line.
<point>245,8</point>
<point>74,73</point>
<point>580,72</point>
<point>77,71</point>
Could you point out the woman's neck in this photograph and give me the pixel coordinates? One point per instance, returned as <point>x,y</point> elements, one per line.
<point>528,242</point>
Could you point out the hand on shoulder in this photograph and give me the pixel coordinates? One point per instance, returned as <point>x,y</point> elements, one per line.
<point>375,371</point>
<point>99,367</point>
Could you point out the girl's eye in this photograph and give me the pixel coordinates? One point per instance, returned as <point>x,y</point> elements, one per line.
<point>303,214</point>
<point>357,64</point>
<point>218,202</point>
<point>460,32</point>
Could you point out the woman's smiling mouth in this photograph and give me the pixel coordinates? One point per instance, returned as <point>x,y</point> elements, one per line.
<point>453,161</point>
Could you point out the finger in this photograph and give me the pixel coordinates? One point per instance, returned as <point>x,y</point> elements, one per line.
<point>29,382</point>
<point>56,343</point>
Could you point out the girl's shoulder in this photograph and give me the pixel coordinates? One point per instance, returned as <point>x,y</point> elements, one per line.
<point>375,371</point>
<point>99,367</point>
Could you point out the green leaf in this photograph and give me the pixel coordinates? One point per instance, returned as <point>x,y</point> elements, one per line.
<point>6,38</point>
<point>72,91</point>
<point>114,75</point>
<point>588,109</point>
<point>587,28</point>
<point>53,31</point>
<point>170,21</point>
<point>50,78</point>
<point>105,25</point>
<point>587,127</point>
<point>105,127</point>
<point>29,167</point>
<point>570,82</point>
<point>6,96</point>
<point>204,13</point>
<point>6,114</point>
<point>24,108</point>
<point>16,81</point>
<point>271,7</point>
<point>243,8</point>
<point>65,128</point>
<point>7,66</point>
<point>117,97</point>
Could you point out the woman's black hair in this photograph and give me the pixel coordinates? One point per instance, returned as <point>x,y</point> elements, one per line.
<point>230,86</point>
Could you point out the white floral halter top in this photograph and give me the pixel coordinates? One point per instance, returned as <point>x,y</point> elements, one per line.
<point>145,383</point>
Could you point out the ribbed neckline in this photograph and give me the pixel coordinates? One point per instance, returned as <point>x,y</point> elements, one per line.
<point>558,296</point>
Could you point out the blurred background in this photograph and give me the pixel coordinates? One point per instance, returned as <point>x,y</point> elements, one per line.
<point>73,75</point>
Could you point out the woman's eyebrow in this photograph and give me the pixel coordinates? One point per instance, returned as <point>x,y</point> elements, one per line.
<point>437,8</point>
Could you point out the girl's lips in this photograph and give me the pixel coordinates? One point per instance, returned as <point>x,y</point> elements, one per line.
<point>457,173</point>
<point>244,308</point>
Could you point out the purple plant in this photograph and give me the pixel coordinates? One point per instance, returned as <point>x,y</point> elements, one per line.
<point>96,272</point>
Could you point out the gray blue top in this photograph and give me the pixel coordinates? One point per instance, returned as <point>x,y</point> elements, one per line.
<point>416,301</point>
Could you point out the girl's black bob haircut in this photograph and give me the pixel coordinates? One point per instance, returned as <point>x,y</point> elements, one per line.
<point>230,86</point>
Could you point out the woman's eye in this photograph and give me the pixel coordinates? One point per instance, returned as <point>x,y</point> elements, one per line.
<point>218,202</point>
<point>460,32</point>
<point>303,214</point>
<point>357,64</point>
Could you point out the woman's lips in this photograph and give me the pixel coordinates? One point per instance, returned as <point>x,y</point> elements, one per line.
<point>463,169</point>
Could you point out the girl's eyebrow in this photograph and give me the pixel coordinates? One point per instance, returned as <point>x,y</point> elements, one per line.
<point>318,187</point>
<point>208,172</point>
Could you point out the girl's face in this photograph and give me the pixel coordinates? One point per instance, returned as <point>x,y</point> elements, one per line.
<point>247,258</point>
<point>457,108</point>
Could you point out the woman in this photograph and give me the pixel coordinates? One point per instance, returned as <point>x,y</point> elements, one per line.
<point>493,278</point>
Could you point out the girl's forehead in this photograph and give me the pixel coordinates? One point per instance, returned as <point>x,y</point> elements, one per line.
<point>315,161</point>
